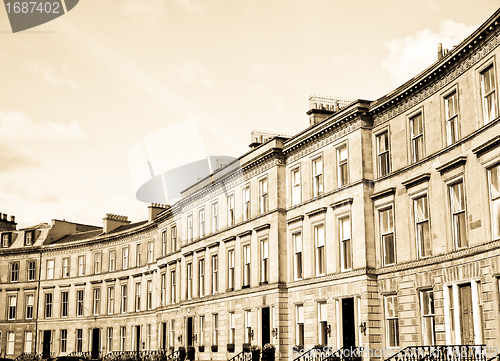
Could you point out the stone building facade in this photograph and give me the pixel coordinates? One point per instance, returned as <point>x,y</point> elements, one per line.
<point>376,226</point>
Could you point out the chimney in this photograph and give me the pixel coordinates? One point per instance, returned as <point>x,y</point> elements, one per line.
<point>154,209</point>
<point>6,225</point>
<point>440,50</point>
<point>113,221</point>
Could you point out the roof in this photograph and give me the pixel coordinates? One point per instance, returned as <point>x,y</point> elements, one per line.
<point>127,226</point>
<point>78,236</point>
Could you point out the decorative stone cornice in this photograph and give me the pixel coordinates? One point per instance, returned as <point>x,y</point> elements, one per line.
<point>341,203</point>
<point>384,193</point>
<point>244,233</point>
<point>229,239</point>
<point>316,212</point>
<point>262,227</point>
<point>200,249</point>
<point>452,164</point>
<point>412,182</point>
<point>487,146</point>
<point>295,219</point>
<point>174,261</point>
<point>93,282</point>
<point>213,244</point>
<point>110,280</point>
<point>188,253</point>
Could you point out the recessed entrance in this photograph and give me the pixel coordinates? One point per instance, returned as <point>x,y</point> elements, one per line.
<point>266,326</point>
<point>348,326</point>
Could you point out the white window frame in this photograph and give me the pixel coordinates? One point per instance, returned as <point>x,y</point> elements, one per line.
<point>345,243</point>
<point>298,256</point>
<point>296,189</point>
<point>320,249</point>
<point>317,176</point>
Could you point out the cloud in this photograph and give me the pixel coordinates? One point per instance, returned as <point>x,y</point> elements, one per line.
<point>190,71</point>
<point>190,5</point>
<point>152,10</point>
<point>23,142</point>
<point>408,56</point>
<point>52,74</point>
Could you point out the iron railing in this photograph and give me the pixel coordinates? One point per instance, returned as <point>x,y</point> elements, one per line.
<point>242,356</point>
<point>27,356</point>
<point>441,353</point>
<point>330,354</point>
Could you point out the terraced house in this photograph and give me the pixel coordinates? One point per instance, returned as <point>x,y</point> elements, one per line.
<point>376,226</point>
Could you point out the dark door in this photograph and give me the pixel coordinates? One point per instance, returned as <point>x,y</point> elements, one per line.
<point>189,327</point>
<point>164,335</point>
<point>96,338</point>
<point>138,338</point>
<point>348,327</point>
<point>46,343</point>
<point>466,318</point>
<point>266,325</point>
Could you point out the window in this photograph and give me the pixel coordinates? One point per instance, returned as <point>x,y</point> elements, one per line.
<point>172,287</point>
<point>263,196</point>
<point>215,329</point>
<point>109,339</point>
<point>14,271</point>
<point>48,305</point>
<point>383,164</point>
<point>111,300</point>
<point>296,199</point>
<point>31,271</point>
<point>215,224</point>
<point>28,238</point>
<point>150,252</point>
<point>322,324</point>
<point>488,88</point>
<point>264,261</point>
<point>79,302</point>
<point>201,283</point>
<point>123,337</point>
<point>248,326</point>
<point>172,333</point>
<point>64,303</point>
<point>12,302</point>
<point>64,341</point>
<point>79,340</point>
<point>50,269</point>
<point>299,326</point>
<point>202,330</point>
<point>342,167</point>
<point>428,317</point>
<point>65,267</point>
<point>163,288</point>
<point>417,138</point>
<point>246,203</point>
<point>138,255</point>
<point>230,265</point>
<point>201,216</point>
<point>215,278</point>
<point>387,234</point>
<point>319,241</point>
<point>173,239</point>
<point>125,258</point>
<point>422,226</point>
<point>30,302</point>
<point>297,260</point>
<point>112,260</point>
<point>189,274</point>
<point>230,210</point>
<point>6,239</point>
<point>164,243</point>
<point>494,185</point>
<point>148,337</point>
<point>137,297</point>
<point>317,172</point>
<point>81,265</point>
<point>97,262</point>
<point>391,320</point>
<point>246,266</point>
<point>149,296</point>
<point>97,301</point>
<point>11,336</point>
<point>457,199</point>
<point>345,240</point>
<point>232,328</point>
<point>451,115</point>
<point>123,299</point>
<point>190,228</point>
<point>28,341</point>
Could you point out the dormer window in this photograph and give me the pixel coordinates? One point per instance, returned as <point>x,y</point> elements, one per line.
<point>29,237</point>
<point>6,239</point>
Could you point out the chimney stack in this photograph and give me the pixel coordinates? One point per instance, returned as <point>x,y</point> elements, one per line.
<point>6,225</point>
<point>440,50</point>
<point>113,221</point>
<point>154,209</point>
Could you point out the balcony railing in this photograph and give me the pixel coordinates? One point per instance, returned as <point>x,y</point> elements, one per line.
<point>329,354</point>
<point>441,353</point>
<point>242,356</point>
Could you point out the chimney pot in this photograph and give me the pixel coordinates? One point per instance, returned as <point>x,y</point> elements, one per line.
<point>440,50</point>
<point>12,219</point>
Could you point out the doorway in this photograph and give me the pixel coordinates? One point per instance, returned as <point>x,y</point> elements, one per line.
<point>96,338</point>
<point>164,335</point>
<point>138,338</point>
<point>47,335</point>
<point>466,315</point>
<point>266,326</point>
<point>348,326</point>
<point>189,332</point>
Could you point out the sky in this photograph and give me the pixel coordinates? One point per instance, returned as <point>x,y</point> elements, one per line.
<point>77,92</point>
